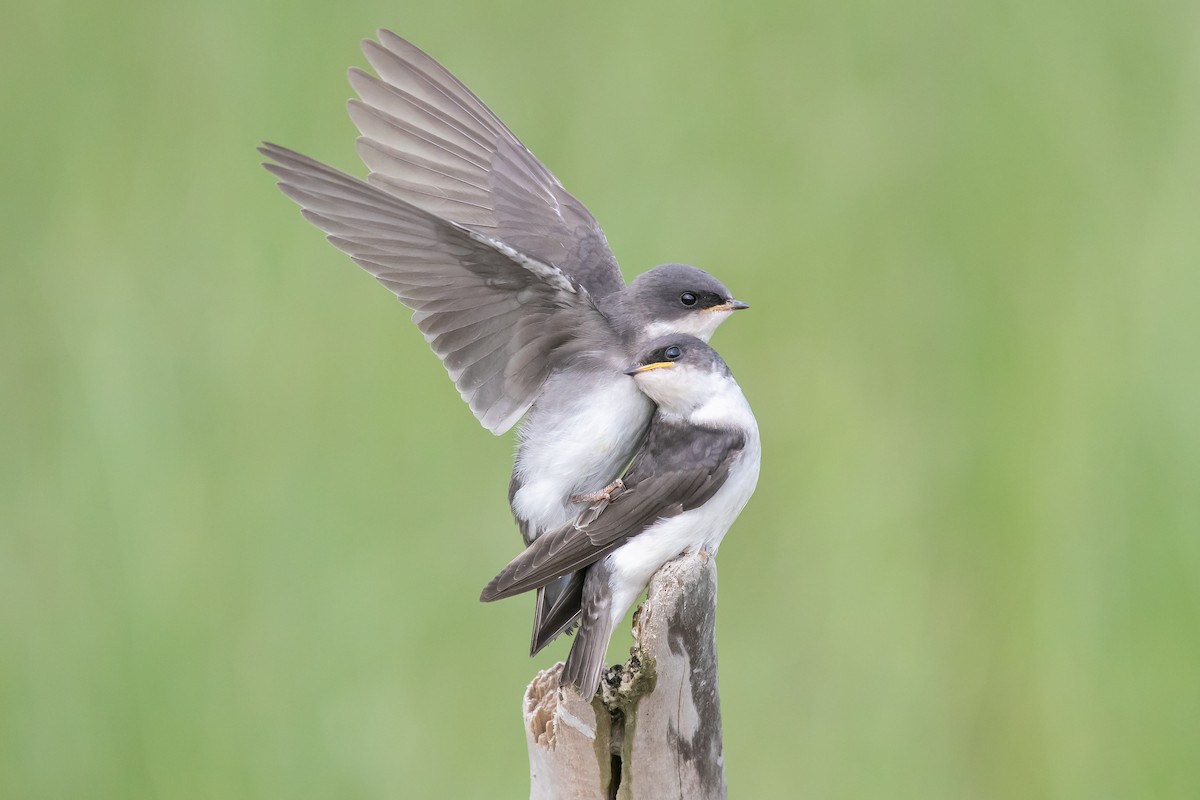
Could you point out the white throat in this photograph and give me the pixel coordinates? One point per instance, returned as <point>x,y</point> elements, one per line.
<point>725,407</point>
<point>701,324</point>
<point>714,401</point>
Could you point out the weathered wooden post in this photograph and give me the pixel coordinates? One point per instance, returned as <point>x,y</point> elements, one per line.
<point>654,729</point>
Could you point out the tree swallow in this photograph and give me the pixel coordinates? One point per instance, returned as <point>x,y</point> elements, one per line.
<point>682,492</point>
<point>510,279</point>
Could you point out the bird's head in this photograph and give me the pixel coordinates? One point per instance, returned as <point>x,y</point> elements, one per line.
<point>679,299</point>
<point>680,373</point>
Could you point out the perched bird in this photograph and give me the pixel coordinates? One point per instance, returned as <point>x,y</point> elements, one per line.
<point>682,492</point>
<point>510,279</point>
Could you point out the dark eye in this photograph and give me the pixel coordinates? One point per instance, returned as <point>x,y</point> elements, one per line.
<point>688,299</point>
<point>673,352</point>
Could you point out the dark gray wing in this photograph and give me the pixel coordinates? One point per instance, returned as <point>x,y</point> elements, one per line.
<point>429,140</point>
<point>495,316</point>
<point>573,547</point>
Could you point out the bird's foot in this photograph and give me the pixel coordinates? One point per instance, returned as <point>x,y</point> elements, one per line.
<point>605,494</point>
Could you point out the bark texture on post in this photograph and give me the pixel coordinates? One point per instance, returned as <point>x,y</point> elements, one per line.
<point>654,729</point>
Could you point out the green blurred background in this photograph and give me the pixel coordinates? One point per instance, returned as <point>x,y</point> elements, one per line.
<point>244,517</point>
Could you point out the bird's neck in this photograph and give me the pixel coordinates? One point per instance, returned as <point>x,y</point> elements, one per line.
<point>723,407</point>
<point>701,324</point>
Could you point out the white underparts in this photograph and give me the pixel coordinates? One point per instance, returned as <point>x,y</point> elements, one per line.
<point>579,437</point>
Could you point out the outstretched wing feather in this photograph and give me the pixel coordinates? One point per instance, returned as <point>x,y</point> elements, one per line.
<point>496,316</point>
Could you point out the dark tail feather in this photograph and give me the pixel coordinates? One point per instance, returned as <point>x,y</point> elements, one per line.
<point>558,604</point>
<point>586,660</point>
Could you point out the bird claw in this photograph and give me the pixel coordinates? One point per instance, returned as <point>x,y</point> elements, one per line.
<point>605,494</point>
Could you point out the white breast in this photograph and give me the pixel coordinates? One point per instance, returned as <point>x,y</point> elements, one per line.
<point>578,438</point>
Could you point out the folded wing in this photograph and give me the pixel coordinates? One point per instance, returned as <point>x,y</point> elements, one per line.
<point>576,546</point>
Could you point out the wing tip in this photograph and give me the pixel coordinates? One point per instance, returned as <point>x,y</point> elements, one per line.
<point>271,150</point>
<point>383,34</point>
<point>500,587</point>
<point>501,426</point>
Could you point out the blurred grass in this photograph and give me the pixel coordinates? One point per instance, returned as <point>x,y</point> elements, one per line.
<point>244,517</point>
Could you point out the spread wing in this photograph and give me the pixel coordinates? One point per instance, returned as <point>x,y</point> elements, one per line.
<point>573,547</point>
<point>495,316</point>
<point>430,141</point>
